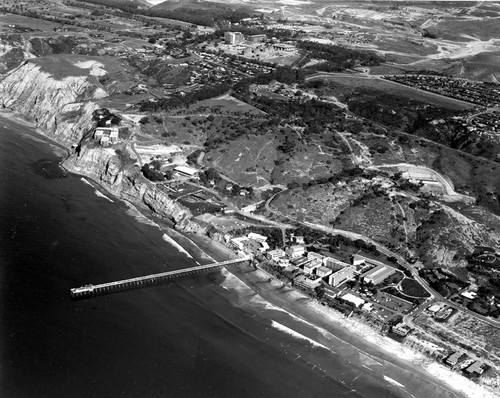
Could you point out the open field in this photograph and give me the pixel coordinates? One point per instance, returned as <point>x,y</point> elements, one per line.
<point>247,160</point>
<point>225,104</point>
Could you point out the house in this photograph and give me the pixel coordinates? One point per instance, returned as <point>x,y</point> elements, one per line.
<point>475,369</point>
<point>401,329</point>
<point>295,251</point>
<point>275,254</point>
<point>378,274</point>
<point>249,208</point>
<point>341,275</point>
<point>452,360</point>
<point>299,240</point>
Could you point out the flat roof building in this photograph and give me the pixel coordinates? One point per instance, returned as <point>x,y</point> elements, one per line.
<point>452,360</point>
<point>295,251</point>
<point>233,37</point>
<point>308,282</point>
<point>275,254</point>
<point>476,368</point>
<point>341,275</point>
<point>333,263</point>
<point>256,38</point>
<point>323,271</point>
<point>378,274</point>
<point>257,237</point>
<point>314,255</point>
<point>186,171</point>
<point>351,298</point>
<point>311,266</point>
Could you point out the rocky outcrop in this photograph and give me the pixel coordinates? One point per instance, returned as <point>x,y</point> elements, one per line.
<point>62,108</point>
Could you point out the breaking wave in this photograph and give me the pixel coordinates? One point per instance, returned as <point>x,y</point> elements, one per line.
<point>297,335</point>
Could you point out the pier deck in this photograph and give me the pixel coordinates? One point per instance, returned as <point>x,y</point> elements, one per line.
<point>147,280</point>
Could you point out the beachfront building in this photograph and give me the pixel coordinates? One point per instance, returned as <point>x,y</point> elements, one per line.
<point>378,274</point>
<point>341,275</point>
<point>476,369</point>
<point>401,329</point>
<point>453,359</point>
<point>309,282</point>
<point>351,298</point>
<point>295,251</point>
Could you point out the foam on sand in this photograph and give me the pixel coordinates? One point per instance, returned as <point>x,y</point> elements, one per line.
<point>101,195</point>
<point>138,216</point>
<point>297,335</point>
<point>168,239</point>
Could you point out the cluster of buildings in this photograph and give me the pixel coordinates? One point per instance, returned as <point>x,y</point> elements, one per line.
<point>481,93</point>
<point>238,37</point>
<point>470,367</point>
<point>106,136</point>
<point>317,267</point>
<point>252,243</point>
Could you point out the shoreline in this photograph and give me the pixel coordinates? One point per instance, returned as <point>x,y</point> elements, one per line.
<point>363,339</point>
<point>319,314</point>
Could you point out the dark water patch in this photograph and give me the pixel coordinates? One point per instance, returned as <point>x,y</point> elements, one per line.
<point>49,169</point>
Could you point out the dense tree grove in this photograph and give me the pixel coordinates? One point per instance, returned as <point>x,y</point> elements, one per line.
<point>206,14</point>
<point>337,58</point>
<point>180,101</point>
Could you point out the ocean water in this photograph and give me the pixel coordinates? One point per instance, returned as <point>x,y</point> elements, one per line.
<point>191,338</point>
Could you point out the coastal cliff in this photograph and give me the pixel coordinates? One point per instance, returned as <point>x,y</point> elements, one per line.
<point>61,108</point>
<point>113,171</point>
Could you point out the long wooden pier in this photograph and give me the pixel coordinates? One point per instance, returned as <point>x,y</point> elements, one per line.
<point>88,291</point>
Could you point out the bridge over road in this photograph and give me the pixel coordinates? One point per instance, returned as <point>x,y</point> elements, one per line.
<point>88,291</point>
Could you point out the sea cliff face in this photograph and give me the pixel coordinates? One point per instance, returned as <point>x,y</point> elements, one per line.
<point>105,166</point>
<point>61,108</point>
